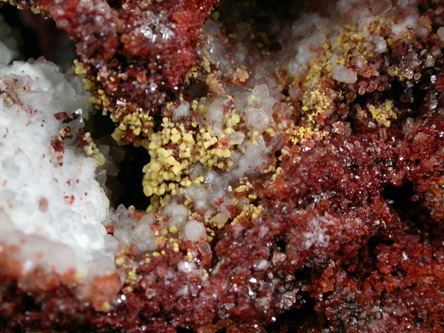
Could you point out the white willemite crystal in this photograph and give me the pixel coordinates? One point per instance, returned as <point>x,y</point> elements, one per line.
<point>343,74</point>
<point>194,231</point>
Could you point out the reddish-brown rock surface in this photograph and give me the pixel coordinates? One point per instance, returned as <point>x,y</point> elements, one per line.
<point>350,238</point>
<point>137,50</point>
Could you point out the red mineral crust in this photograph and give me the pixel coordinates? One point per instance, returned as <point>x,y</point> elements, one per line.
<point>135,50</point>
<point>350,237</point>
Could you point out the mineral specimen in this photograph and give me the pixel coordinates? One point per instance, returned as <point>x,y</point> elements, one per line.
<point>296,174</point>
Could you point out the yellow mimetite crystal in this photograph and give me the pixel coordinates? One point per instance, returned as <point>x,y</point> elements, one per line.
<point>174,149</point>
<point>91,150</point>
<point>383,113</point>
<point>250,211</point>
<point>349,43</point>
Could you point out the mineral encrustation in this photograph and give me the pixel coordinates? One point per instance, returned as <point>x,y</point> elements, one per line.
<point>296,169</point>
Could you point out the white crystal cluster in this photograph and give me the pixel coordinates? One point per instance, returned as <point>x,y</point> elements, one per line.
<point>51,206</point>
<point>130,231</point>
